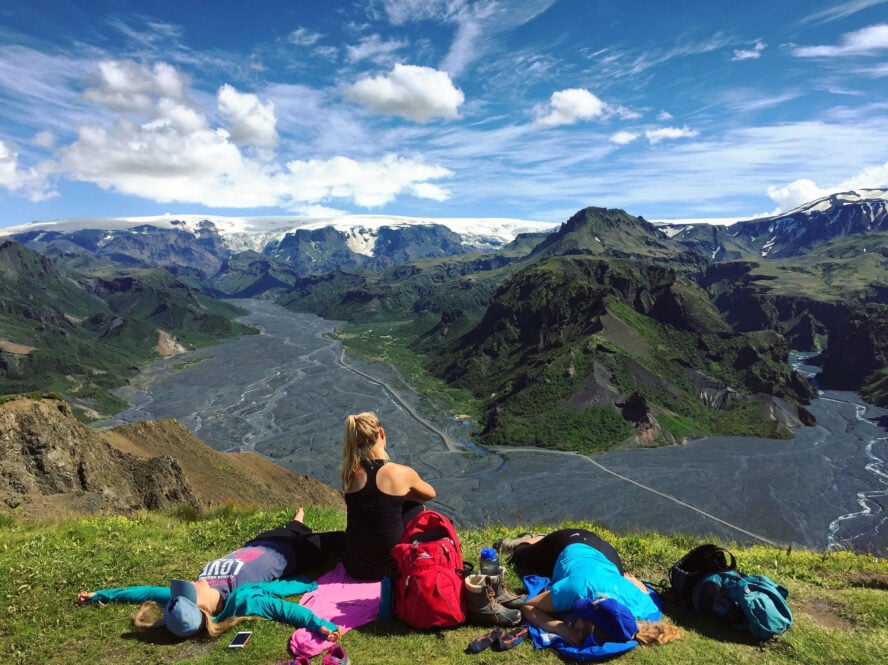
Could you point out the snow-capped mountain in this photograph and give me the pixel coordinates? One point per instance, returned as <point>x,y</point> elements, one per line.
<point>791,233</point>
<point>258,233</point>
<point>309,245</point>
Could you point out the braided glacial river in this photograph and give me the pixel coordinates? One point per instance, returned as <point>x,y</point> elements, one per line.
<point>285,395</point>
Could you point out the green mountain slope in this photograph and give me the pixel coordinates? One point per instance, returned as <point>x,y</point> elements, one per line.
<point>582,353</point>
<point>81,336</point>
<point>597,336</point>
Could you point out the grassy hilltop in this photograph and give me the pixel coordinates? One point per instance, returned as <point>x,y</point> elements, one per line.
<point>839,599</point>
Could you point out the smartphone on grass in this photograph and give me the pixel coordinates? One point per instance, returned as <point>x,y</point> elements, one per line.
<point>239,640</point>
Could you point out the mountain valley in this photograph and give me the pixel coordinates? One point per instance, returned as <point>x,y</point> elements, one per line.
<point>622,331</point>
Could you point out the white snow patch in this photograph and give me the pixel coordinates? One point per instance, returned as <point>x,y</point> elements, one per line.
<point>255,233</point>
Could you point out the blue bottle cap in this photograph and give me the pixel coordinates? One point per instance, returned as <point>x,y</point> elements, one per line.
<point>488,553</point>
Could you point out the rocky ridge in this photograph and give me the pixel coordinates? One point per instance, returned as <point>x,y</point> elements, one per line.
<point>52,465</point>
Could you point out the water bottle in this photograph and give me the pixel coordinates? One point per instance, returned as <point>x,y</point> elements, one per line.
<point>489,562</point>
<point>386,599</point>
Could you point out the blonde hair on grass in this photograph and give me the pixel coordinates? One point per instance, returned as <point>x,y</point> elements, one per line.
<point>361,432</point>
<point>150,615</point>
<point>656,632</point>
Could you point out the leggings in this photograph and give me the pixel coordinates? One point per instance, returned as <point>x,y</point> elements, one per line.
<point>310,550</point>
<point>539,558</point>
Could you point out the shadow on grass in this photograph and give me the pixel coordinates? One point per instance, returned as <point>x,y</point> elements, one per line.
<point>184,647</point>
<point>711,627</point>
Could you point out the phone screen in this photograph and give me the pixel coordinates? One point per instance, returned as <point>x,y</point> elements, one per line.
<point>240,639</point>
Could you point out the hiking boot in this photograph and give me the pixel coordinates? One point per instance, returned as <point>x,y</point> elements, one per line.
<point>505,546</point>
<point>502,594</point>
<point>482,607</point>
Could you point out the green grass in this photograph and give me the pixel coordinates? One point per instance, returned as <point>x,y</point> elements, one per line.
<point>839,599</point>
<point>389,343</point>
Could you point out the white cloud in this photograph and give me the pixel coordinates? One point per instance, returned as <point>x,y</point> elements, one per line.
<point>374,48</point>
<point>127,86</point>
<point>867,41</point>
<point>669,133</point>
<point>414,93</point>
<point>252,122</point>
<point>795,194</point>
<point>427,190</point>
<point>44,139</point>
<point>369,184</point>
<point>304,37</point>
<point>664,116</point>
<point>31,183</point>
<point>566,107</point>
<point>477,23</point>
<point>841,10</point>
<point>623,137</point>
<point>750,54</point>
<point>157,145</point>
<point>804,190</point>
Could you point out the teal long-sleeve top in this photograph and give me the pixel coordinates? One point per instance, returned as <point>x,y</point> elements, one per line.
<point>260,599</point>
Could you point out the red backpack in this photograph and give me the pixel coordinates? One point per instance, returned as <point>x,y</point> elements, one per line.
<point>428,588</point>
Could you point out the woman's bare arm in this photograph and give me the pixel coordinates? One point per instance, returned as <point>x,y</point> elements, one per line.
<point>540,612</point>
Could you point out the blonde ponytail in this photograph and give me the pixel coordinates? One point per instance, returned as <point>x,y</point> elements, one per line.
<point>656,632</point>
<point>361,433</point>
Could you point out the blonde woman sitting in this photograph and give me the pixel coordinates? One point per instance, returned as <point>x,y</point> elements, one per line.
<point>380,498</point>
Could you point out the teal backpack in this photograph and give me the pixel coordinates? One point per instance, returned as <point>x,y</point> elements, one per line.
<point>752,603</point>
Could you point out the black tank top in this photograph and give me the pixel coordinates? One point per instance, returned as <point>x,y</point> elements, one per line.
<point>373,527</point>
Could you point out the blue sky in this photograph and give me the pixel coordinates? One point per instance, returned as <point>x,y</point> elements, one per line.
<point>528,109</point>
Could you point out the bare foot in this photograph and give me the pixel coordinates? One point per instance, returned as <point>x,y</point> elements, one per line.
<point>299,515</point>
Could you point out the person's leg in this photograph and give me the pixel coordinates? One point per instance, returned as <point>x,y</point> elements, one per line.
<point>539,556</point>
<point>310,550</point>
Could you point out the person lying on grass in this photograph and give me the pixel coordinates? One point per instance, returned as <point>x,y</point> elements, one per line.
<point>252,581</point>
<point>590,584</point>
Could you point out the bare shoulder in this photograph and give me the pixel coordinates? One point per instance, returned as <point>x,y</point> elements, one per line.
<point>395,469</point>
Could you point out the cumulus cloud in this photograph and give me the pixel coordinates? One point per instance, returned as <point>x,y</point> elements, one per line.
<point>414,93</point>
<point>795,194</point>
<point>669,133</point>
<point>369,184</point>
<point>805,190</point>
<point>751,53</point>
<point>867,41</point>
<point>567,107</point>
<point>623,137</point>
<point>156,144</point>
<point>252,122</point>
<point>30,183</point>
<point>128,86</point>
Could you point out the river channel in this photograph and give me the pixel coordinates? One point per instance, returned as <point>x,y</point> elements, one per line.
<point>285,394</point>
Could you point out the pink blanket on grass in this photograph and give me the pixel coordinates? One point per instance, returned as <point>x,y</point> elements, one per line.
<point>345,601</point>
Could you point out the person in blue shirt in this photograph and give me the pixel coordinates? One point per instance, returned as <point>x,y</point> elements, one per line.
<point>252,581</point>
<point>590,592</point>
